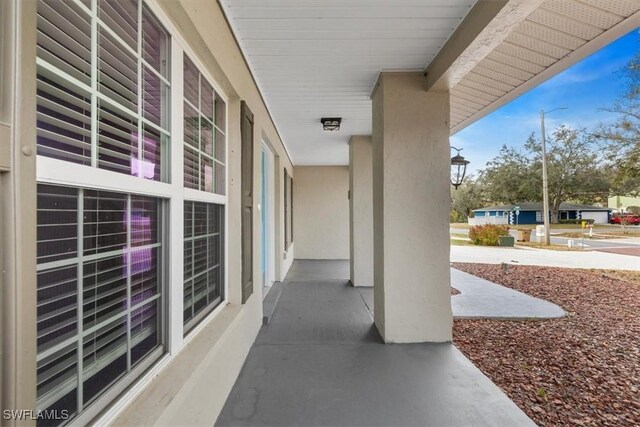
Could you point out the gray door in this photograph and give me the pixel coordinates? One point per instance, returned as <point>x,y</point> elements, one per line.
<point>246,133</point>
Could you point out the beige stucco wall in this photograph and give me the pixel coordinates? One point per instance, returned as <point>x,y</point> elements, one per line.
<point>411,199</point>
<point>321,212</point>
<point>192,389</point>
<point>203,25</point>
<point>361,210</point>
<point>190,385</point>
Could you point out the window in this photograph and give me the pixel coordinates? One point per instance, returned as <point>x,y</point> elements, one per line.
<point>204,133</point>
<point>103,92</point>
<point>204,171</point>
<point>539,216</point>
<point>104,111</point>
<point>203,260</point>
<point>106,106</point>
<point>99,291</point>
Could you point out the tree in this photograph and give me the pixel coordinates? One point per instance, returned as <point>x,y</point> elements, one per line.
<point>622,137</point>
<point>633,210</point>
<point>508,178</point>
<point>469,196</point>
<point>573,168</point>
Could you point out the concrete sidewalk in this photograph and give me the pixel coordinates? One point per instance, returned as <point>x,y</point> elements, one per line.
<point>544,257</point>
<point>482,299</point>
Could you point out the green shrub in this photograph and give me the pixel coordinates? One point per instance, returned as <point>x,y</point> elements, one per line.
<point>487,234</point>
<point>575,221</point>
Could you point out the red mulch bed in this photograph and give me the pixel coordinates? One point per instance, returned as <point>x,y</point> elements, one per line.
<point>583,369</point>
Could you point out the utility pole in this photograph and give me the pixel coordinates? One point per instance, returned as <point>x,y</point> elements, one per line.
<point>545,184</point>
<point>545,179</point>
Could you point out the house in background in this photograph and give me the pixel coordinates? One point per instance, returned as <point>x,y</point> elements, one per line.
<point>621,203</point>
<point>531,213</point>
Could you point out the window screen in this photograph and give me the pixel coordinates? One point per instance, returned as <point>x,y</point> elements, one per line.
<point>203,260</point>
<point>122,83</point>
<point>99,291</point>
<point>204,133</point>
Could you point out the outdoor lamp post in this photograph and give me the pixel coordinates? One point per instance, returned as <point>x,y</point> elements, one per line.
<point>545,180</point>
<point>458,168</point>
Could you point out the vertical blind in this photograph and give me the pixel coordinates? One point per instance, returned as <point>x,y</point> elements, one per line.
<point>204,133</point>
<point>203,260</point>
<point>99,288</point>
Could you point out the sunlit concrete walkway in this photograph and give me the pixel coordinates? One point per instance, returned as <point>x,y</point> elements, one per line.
<point>321,362</point>
<point>480,299</point>
<point>544,257</point>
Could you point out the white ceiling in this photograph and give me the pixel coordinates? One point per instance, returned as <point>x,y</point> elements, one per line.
<point>321,58</point>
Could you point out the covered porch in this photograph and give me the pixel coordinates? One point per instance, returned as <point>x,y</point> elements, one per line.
<point>321,361</point>
<point>252,143</point>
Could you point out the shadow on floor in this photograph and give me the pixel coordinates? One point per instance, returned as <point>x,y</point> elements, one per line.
<point>321,362</point>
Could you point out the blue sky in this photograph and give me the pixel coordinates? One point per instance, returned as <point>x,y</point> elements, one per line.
<point>584,88</point>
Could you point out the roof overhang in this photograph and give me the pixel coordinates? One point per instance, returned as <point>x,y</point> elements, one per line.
<point>312,60</point>
<point>554,36</point>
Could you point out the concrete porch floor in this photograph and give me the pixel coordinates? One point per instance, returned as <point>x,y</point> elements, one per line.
<point>321,362</point>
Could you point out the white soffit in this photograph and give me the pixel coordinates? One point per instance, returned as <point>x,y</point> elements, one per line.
<point>555,36</point>
<point>321,58</point>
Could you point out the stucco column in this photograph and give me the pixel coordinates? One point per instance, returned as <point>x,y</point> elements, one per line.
<point>411,199</point>
<point>361,210</point>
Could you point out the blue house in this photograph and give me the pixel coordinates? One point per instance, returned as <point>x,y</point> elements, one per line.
<point>531,213</point>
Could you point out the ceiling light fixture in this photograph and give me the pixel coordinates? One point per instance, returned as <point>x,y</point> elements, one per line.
<point>331,123</point>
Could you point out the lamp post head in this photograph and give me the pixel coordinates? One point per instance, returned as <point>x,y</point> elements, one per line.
<point>458,168</point>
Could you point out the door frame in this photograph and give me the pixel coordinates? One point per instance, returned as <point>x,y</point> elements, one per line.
<point>270,214</point>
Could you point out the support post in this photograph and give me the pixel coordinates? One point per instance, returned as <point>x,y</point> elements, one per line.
<point>361,210</point>
<point>411,200</point>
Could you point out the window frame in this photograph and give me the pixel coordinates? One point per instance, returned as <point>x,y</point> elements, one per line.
<point>96,97</point>
<point>172,194</point>
<point>216,90</point>
<point>194,322</point>
<point>201,196</point>
<point>90,177</point>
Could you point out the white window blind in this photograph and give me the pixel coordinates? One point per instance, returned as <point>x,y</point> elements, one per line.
<point>99,291</point>
<point>203,260</point>
<point>103,89</point>
<point>204,133</point>
<point>123,82</point>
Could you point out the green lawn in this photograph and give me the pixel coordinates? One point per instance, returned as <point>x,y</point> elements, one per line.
<point>459,242</point>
